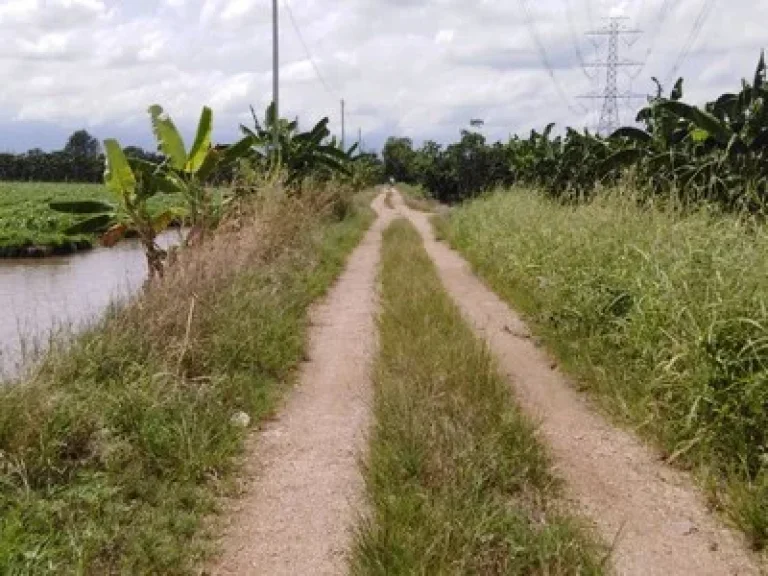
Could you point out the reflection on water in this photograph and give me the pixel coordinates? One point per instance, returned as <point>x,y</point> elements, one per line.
<point>42,296</point>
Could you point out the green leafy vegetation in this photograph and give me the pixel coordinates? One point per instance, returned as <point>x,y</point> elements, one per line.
<point>661,314</point>
<point>461,170</point>
<point>80,161</point>
<point>302,159</point>
<point>299,156</point>
<point>134,182</point>
<point>195,185</point>
<point>112,453</point>
<point>716,153</point>
<point>114,450</point>
<point>456,479</point>
<point>28,225</point>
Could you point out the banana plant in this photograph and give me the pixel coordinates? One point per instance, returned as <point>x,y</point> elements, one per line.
<point>717,152</point>
<point>132,183</point>
<point>189,170</point>
<point>298,155</point>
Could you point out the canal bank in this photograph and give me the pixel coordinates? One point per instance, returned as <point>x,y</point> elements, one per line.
<point>113,453</point>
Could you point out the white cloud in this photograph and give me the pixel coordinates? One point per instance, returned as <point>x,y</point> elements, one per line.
<point>444,37</point>
<point>17,11</point>
<point>52,46</point>
<point>416,67</point>
<point>236,9</point>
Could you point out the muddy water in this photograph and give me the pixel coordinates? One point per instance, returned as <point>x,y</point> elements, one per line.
<point>43,297</point>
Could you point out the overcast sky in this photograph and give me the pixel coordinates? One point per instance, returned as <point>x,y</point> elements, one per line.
<point>421,68</point>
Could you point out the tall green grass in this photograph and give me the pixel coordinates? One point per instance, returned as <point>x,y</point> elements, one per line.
<point>456,479</point>
<point>663,315</point>
<point>112,455</point>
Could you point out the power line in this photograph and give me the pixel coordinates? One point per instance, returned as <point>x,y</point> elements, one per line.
<point>661,18</point>
<point>575,41</point>
<point>307,50</point>
<point>590,14</point>
<point>698,26</point>
<point>640,10</point>
<point>545,57</point>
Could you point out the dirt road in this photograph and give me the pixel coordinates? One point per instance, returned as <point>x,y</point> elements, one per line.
<point>306,490</point>
<point>305,485</point>
<point>658,520</point>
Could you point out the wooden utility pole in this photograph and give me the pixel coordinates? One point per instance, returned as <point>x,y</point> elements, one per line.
<point>276,72</point>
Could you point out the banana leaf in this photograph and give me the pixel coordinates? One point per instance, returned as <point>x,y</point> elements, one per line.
<point>621,159</point>
<point>118,175</point>
<point>168,138</point>
<point>198,152</point>
<point>94,225</point>
<point>633,134</point>
<point>82,207</point>
<point>701,119</point>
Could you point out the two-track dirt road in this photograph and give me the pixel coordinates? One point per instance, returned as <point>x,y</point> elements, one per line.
<point>306,489</point>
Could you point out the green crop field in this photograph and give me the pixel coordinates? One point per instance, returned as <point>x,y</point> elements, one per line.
<point>26,220</point>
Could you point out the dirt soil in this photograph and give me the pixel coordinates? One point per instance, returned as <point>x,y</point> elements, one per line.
<point>656,519</point>
<point>304,488</point>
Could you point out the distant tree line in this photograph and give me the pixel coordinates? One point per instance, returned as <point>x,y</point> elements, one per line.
<point>451,174</point>
<point>715,153</point>
<point>81,160</point>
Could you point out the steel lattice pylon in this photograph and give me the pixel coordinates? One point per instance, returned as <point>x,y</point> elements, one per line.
<point>609,113</point>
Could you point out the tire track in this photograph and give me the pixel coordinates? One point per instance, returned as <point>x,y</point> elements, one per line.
<point>305,485</point>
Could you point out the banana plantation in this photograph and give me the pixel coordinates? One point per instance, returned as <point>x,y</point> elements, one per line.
<point>716,153</point>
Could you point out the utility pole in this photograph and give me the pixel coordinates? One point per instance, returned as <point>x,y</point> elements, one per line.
<point>609,114</point>
<point>343,124</point>
<point>360,140</point>
<point>276,72</point>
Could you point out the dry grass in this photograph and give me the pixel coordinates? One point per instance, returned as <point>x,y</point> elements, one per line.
<point>111,455</point>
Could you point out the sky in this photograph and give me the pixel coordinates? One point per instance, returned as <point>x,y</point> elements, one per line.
<point>416,68</point>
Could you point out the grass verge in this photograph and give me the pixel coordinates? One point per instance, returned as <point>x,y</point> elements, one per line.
<point>661,315</point>
<point>111,456</point>
<point>456,479</point>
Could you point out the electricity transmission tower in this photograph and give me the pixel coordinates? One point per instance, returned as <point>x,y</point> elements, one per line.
<point>615,31</point>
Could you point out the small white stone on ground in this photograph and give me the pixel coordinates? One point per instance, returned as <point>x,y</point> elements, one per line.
<point>241,420</point>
